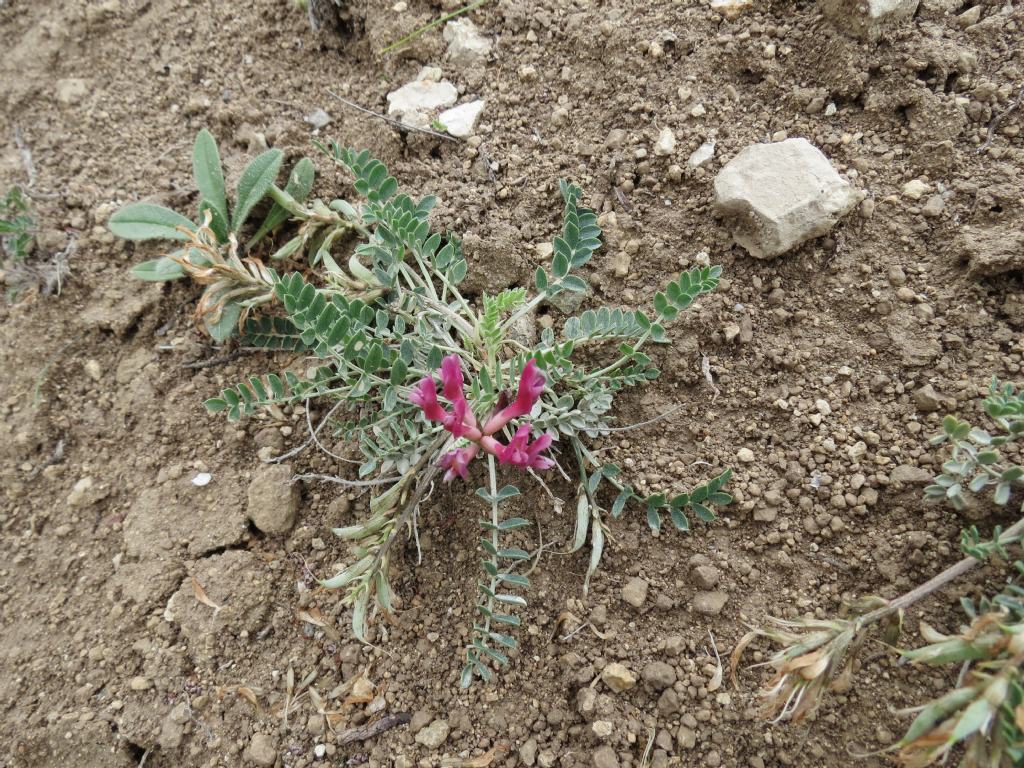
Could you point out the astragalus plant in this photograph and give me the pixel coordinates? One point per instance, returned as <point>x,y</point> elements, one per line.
<point>425,381</point>
<point>982,716</point>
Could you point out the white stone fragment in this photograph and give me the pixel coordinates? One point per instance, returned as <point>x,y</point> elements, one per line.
<point>666,144</point>
<point>868,19</point>
<point>702,155</point>
<point>459,121</point>
<point>731,9</point>
<point>780,195</point>
<point>915,189</point>
<point>318,118</point>
<point>418,100</point>
<point>203,478</point>
<point>466,46</point>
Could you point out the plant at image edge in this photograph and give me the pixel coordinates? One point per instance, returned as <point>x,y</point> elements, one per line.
<point>392,324</point>
<point>17,226</point>
<point>984,713</point>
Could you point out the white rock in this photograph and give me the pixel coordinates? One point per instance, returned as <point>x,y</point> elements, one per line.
<point>731,9</point>
<point>429,74</point>
<point>71,90</point>
<point>466,46</point>
<point>459,121</point>
<point>867,19</point>
<point>318,118</point>
<point>781,195</point>
<point>203,478</point>
<point>414,101</point>
<point>666,144</point>
<point>970,17</point>
<point>702,155</point>
<point>915,189</point>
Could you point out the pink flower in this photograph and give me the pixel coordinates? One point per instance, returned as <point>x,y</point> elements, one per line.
<point>531,385</point>
<point>451,378</point>
<point>457,462</point>
<point>460,421</point>
<point>521,453</point>
<point>537,461</point>
<point>424,394</point>
<point>515,452</point>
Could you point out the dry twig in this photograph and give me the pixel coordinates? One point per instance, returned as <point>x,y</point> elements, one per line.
<point>377,727</point>
<point>1014,105</point>
<point>397,123</point>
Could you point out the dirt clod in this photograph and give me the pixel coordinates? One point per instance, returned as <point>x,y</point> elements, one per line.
<point>273,499</point>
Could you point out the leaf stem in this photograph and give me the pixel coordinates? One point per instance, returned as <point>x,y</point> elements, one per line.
<point>935,583</point>
<point>493,476</point>
<point>523,310</point>
<point>621,361</point>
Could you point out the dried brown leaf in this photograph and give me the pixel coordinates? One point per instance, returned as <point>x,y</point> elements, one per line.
<point>737,655</point>
<point>202,597</point>
<point>716,679</point>
<point>316,618</point>
<point>249,695</point>
<point>480,761</point>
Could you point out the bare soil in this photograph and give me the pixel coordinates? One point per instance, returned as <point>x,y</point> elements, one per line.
<point>107,657</point>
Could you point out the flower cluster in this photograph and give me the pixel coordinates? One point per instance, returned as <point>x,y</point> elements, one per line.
<point>460,421</point>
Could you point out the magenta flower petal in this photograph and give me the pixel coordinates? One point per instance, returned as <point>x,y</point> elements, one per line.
<point>516,452</point>
<point>536,461</point>
<point>451,378</point>
<point>531,385</point>
<point>454,422</point>
<point>457,462</point>
<point>424,394</point>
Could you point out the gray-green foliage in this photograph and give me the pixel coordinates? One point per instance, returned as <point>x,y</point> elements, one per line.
<point>208,246</point>
<point>17,226</point>
<point>377,307</point>
<point>976,464</point>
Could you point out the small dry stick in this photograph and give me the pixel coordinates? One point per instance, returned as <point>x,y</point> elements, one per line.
<point>55,458</point>
<point>999,119</point>
<point>342,481</point>
<point>639,424</point>
<point>436,22</point>
<point>312,437</point>
<point>377,727</point>
<point>934,584</point>
<point>26,157</point>
<point>386,119</point>
<point>214,361</point>
<point>705,367</point>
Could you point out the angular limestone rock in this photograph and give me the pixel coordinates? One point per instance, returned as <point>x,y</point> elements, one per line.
<point>419,100</point>
<point>868,19</point>
<point>459,121</point>
<point>466,46</point>
<point>777,196</point>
